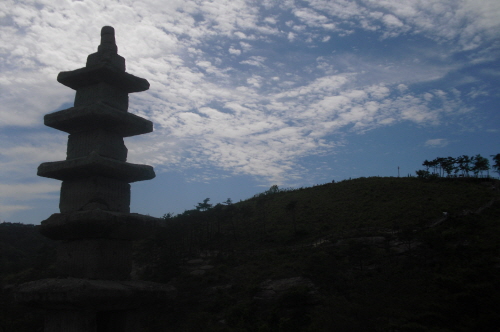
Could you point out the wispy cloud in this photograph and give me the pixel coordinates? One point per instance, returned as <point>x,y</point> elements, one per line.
<point>437,142</point>
<point>254,61</point>
<point>470,22</point>
<point>8,209</point>
<point>29,191</point>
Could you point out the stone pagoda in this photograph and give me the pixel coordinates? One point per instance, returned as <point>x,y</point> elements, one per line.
<point>95,228</point>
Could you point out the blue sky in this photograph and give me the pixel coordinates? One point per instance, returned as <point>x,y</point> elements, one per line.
<point>248,94</point>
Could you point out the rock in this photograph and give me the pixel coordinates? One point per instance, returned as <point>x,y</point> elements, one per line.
<point>197,272</point>
<point>272,289</point>
<point>207,267</point>
<point>369,240</point>
<point>92,294</point>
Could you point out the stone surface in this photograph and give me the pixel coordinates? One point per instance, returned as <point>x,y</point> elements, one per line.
<point>95,192</point>
<point>96,295</point>
<point>271,290</point>
<point>70,321</point>
<point>102,93</point>
<point>365,240</point>
<point>95,224</point>
<point>76,119</point>
<point>92,321</point>
<point>103,142</point>
<point>95,259</point>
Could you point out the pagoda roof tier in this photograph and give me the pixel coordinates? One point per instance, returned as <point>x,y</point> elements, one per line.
<point>103,72</point>
<point>99,224</point>
<point>94,164</point>
<point>99,115</point>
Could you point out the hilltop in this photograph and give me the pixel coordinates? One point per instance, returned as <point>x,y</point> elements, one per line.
<point>377,254</point>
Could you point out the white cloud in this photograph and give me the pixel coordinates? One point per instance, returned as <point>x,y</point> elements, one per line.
<point>402,87</point>
<point>392,20</point>
<point>470,22</point>
<point>254,61</point>
<point>437,142</point>
<point>313,18</point>
<point>8,209</point>
<point>234,51</point>
<point>270,20</point>
<point>255,81</point>
<point>21,157</point>
<point>245,46</point>
<point>20,196</point>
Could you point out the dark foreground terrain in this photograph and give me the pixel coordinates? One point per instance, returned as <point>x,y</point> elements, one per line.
<point>369,254</point>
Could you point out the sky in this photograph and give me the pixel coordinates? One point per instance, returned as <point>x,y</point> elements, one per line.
<point>248,94</point>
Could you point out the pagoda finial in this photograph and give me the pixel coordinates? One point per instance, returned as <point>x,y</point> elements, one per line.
<point>108,43</point>
<point>107,52</point>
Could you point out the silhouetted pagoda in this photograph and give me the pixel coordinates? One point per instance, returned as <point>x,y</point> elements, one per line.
<point>95,227</point>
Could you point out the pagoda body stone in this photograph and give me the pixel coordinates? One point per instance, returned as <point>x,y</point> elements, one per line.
<point>95,227</point>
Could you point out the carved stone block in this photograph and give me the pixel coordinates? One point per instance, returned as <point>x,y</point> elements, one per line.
<point>95,192</point>
<point>95,259</point>
<point>103,142</point>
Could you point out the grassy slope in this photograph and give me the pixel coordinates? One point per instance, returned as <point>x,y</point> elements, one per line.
<point>415,278</point>
<point>370,202</point>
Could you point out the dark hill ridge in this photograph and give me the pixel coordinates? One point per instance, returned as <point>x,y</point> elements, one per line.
<point>368,254</point>
<point>338,210</point>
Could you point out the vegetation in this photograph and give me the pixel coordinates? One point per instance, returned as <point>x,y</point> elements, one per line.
<point>461,166</point>
<point>496,165</point>
<point>25,255</point>
<point>374,254</point>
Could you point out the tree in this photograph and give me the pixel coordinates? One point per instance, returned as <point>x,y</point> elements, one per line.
<point>440,165</point>
<point>422,173</point>
<point>273,190</point>
<point>496,165</point>
<point>447,164</point>
<point>204,206</point>
<point>434,165</point>
<point>228,202</point>
<point>168,216</point>
<point>427,164</point>
<point>464,164</point>
<point>480,164</point>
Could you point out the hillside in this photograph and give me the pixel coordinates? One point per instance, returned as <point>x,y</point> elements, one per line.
<point>369,254</point>
<point>374,254</point>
